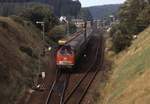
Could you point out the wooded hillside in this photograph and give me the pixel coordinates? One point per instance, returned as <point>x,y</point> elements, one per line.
<point>59,7</point>
<point>99,12</point>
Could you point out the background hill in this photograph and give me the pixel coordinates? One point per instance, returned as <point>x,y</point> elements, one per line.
<point>85,14</point>
<point>98,12</point>
<point>59,7</point>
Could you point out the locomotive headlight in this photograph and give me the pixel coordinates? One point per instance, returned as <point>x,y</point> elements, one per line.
<point>60,62</point>
<point>61,42</point>
<point>65,58</point>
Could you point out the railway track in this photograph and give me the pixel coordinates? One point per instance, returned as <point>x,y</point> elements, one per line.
<point>58,93</point>
<point>78,92</point>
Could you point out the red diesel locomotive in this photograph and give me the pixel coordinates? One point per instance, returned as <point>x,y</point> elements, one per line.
<point>68,54</point>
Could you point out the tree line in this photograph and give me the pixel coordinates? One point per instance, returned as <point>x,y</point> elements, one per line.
<point>85,14</point>
<point>134,17</point>
<point>59,7</point>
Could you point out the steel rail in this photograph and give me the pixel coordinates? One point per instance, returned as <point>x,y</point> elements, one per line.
<point>65,86</point>
<point>59,75</point>
<point>90,82</point>
<point>52,87</point>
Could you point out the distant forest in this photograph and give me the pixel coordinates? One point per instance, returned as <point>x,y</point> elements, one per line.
<point>59,7</point>
<point>99,12</point>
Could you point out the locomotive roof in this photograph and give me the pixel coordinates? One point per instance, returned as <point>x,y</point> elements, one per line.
<point>77,41</point>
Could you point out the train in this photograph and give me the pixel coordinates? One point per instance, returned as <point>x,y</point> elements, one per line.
<point>68,54</point>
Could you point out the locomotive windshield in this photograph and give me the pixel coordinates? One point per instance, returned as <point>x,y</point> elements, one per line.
<point>66,50</point>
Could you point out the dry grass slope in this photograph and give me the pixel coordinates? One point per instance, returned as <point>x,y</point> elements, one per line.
<point>129,82</point>
<point>19,45</point>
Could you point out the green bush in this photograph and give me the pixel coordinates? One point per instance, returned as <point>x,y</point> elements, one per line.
<point>57,32</point>
<point>120,37</point>
<point>40,12</point>
<point>134,17</point>
<point>72,28</point>
<point>143,19</point>
<point>28,51</point>
<point>120,41</point>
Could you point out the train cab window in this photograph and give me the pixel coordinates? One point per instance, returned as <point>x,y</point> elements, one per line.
<point>66,50</point>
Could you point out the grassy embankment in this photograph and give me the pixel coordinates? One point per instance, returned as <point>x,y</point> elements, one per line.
<point>19,49</point>
<point>129,82</point>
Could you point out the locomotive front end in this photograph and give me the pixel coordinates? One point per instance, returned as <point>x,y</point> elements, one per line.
<point>65,57</point>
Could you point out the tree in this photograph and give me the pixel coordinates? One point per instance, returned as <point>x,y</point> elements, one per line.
<point>57,32</point>
<point>40,12</point>
<point>72,28</point>
<point>85,14</point>
<point>134,18</point>
<point>70,8</point>
<point>143,19</point>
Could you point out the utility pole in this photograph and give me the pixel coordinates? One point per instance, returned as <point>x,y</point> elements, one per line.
<point>40,50</point>
<point>68,28</point>
<point>85,25</point>
<point>43,29</point>
<point>43,39</point>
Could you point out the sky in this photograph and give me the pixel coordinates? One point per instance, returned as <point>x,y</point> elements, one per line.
<point>87,3</point>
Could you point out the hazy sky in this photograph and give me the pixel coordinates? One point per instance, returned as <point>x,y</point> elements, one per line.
<point>86,3</point>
